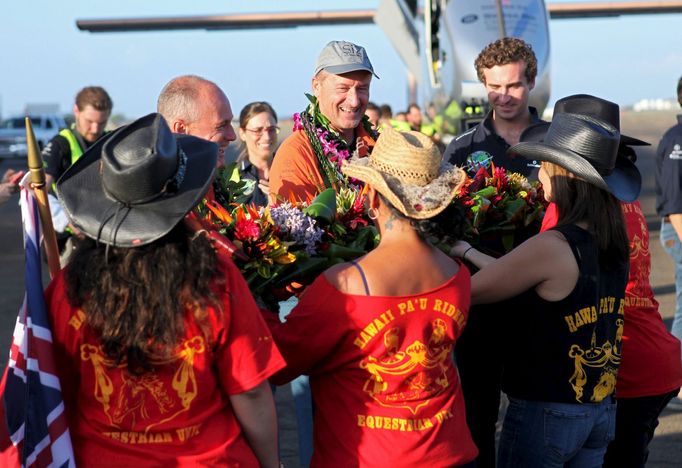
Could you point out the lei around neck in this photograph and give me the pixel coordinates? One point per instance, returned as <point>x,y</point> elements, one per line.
<point>330,149</point>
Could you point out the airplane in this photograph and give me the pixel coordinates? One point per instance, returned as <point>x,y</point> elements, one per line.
<point>438,40</point>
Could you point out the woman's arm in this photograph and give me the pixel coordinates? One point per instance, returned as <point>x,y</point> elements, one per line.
<point>544,262</point>
<point>466,252</point>
<point>255,411</point>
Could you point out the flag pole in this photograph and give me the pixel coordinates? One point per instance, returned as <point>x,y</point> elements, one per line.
<point>35,165</point>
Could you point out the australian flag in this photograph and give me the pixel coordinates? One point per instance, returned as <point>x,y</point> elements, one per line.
<point>34,430</point>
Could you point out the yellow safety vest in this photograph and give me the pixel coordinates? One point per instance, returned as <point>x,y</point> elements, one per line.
<point>74,146</point>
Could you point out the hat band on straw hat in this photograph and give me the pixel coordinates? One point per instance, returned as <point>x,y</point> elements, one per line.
<point>422,178</point>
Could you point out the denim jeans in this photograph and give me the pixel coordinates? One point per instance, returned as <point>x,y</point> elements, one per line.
<point>303,401</point>
<point>671,244</point>
<point>546,434</point>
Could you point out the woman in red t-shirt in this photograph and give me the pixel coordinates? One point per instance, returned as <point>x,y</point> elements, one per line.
<point>376,335</point>
<point>162,354</point>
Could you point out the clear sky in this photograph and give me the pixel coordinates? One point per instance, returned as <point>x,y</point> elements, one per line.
<point>46,59</point>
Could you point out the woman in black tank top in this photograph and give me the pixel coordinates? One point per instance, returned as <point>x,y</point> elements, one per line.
<point>564,335</point>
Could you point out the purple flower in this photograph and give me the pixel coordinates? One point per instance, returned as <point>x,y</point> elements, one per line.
<point>297,122</point>
<point>328,146</point>
<point>296,226</point>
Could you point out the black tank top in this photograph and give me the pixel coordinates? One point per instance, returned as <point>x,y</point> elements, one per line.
<point>568,351</point>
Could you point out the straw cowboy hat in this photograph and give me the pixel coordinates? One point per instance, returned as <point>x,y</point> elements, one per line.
<point>134,185</point>
<point>407,169</point>
<point>587,147</point>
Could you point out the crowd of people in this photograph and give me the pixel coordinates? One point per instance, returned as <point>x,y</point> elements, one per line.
<point>165,358</point>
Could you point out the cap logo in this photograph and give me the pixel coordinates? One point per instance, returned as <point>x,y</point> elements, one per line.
<point>350,50</point>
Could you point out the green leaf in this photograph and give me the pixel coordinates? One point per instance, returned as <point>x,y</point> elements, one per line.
<point>344,252</point>
<point>486,192</point>
<point>304,268</point>
<point>323,206</point>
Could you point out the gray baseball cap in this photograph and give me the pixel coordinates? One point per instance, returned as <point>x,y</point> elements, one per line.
<point>339,57</point>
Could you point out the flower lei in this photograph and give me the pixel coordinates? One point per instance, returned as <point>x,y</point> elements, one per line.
<point>330,149</point>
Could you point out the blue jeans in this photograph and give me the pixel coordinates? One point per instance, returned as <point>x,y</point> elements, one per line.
<point>546,434</point>
<point>303,401</point>
<point>671,244</point>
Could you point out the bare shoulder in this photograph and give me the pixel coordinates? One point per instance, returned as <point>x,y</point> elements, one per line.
<point>342,277</point>
<point>545,241</point>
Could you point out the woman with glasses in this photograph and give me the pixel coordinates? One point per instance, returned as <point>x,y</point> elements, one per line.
<point>258,131</point>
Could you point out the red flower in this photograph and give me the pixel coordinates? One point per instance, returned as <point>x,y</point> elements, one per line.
<point>247,230</point>
<point>479,180</point>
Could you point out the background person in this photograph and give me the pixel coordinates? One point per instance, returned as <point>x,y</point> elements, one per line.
<point>91,112</point>
<point>378,341</point>
<point>9,185</point>
<point>669,206</point>
<point>414,117</point>
<point>162,354</point>
<point>193,105</point>
<point>258,131</point>
<point>572,299</point>
<point>373,114</point>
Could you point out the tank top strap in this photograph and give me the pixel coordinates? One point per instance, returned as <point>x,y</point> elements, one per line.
<point>362,275</point>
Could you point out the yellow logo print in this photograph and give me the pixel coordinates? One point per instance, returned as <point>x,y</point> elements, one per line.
<point>606,357</point>
<point>138,399</point>
<point>410,378</point>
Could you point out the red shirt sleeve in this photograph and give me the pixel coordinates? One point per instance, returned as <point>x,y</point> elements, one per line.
<point>305,338</point>
<point>246,353</point>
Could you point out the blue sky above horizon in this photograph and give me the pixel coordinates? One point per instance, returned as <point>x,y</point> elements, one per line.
<point>47,59</point>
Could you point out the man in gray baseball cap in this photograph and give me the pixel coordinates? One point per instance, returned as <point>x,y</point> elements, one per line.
<point>304,163</point>
<point>307,162</point>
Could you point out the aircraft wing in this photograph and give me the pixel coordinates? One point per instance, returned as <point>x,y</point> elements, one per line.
<point>318,18</point>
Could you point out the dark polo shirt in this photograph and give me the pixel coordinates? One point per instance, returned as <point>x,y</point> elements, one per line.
<point>482,142</point>
<point>669,171</point>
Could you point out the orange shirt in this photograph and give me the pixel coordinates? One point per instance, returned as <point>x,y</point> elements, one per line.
<point>295,169</point>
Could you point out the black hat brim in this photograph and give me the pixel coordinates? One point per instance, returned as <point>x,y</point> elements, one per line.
<point>625,182</point>
<point>107,220</point>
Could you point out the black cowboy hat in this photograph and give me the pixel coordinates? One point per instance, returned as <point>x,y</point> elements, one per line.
<point>135,184</point>
<point>588,105</point>
<point>587,147</point>
<point>599,108</point>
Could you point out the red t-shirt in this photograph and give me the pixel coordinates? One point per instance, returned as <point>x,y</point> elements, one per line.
<point>650,356</point>
<point>180,413</point>
<point>382,374</point>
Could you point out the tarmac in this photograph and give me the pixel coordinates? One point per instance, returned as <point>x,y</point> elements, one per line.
<point>666,447</point>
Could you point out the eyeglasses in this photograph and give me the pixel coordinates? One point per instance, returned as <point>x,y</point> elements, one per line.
<point>273,130</point>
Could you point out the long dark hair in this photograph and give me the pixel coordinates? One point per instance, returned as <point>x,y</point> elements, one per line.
<point>136,299</point>
<point>579,201</point>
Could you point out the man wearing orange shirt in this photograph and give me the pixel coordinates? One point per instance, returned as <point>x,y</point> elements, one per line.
<point>331,129</point>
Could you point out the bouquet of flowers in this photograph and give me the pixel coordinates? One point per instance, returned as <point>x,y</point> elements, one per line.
<point>282,247</point>
<point>502,209</point>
